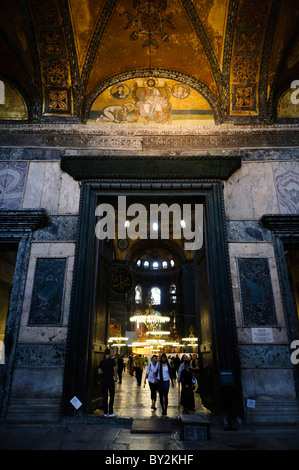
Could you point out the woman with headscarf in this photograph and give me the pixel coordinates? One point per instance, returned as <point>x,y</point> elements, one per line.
<point>187,395</point>
<point>163,378</point>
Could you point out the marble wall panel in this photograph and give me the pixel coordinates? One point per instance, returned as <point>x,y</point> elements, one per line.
<point>256,250</point>
<point>34,185</point>
<point>50,188</point>
<point>250,192</point>
<point>256,292</point>
<point>37,382</point>
<point>237,195</point>
<point>286,175</point>
<point>40,355</point>
<point>265,356</point>
<point>69,195</point>
<point>247,231</point>
<point>12,182</point>
<point>61,228</point>
<point>263,191</point>
<point>48,291</point>
<point>54,333</point>
<point>268,384</point>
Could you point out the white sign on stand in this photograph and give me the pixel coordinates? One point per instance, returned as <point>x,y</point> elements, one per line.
<point>262,335</point>
<point>250,403</point>
<point>76,402</point>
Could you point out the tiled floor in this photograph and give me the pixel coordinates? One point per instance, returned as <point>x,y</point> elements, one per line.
<point>132,401</point>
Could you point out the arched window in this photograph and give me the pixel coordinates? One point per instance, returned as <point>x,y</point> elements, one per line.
<point>156,295</point>
<point>172,293</point>
<point>164,264</point>
<point>155,265</point>
<point>172,289</point>
<point>138,295</point>
<point>146,264</point>
<point>12,103</point>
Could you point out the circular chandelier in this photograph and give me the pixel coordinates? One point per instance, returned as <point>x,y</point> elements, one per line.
<point>118,341</point>
<point>150,318</point>
<point>153,321</point>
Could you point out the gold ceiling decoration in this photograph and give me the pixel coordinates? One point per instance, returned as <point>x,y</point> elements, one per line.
<point>61,55</point>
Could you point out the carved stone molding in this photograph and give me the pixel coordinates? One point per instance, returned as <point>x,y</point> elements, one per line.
<point>154,138</point>
<point>282,224</point>
<point>21,220</point>
<point>170,167</point>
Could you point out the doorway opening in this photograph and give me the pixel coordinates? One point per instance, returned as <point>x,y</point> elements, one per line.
<point>153,293</point>
<point>8,257</point>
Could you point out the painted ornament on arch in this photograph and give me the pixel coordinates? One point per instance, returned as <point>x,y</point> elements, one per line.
<point>150,21</point>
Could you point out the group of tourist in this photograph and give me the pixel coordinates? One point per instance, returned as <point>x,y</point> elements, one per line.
<point>159,373</point>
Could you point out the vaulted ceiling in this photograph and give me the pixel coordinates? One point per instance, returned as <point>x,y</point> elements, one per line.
<point>240,54</point>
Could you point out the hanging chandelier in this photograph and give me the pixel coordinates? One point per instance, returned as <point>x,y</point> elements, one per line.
<point>191,340</point>
<point>153,321</point>
<point>117,341</point>
<point>151,318</point>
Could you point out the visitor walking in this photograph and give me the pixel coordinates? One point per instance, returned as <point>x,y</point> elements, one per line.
<point>182,366</point>
<point>163,378</point>
<point>139,368</point>
<point>130,365</point>
<point>187,395</point>
<point>196,371</point>
<point>120,367</point>
<point>151,369</point>
<point>107,369</point>
<point>177,363</point>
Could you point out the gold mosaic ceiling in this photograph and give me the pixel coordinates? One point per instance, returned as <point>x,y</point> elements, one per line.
<point>61,55</point>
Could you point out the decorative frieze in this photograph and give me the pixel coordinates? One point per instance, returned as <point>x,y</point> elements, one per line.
<point>152,138</point>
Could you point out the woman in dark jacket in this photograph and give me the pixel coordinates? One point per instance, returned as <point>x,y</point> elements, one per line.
<point>187,395</point>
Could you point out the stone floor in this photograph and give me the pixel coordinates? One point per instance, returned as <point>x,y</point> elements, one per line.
<point>94,432</point>
<point>132,401</point>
